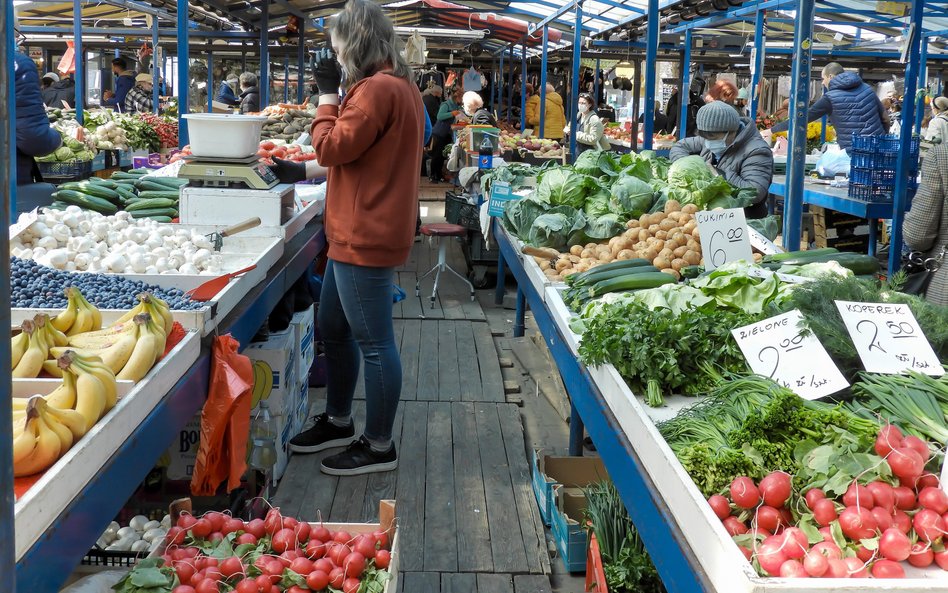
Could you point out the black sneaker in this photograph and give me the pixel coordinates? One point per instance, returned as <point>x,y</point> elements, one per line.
<point>360,459</point>
<point>323,435</point>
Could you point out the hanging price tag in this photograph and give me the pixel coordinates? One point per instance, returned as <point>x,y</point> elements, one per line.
<point>500,194</point>
<point>888,338</point>
<point>777,348</point>
<point>789,278</point>
<point>762,243</point>
<point>723,237</point>
<point>23,222</point>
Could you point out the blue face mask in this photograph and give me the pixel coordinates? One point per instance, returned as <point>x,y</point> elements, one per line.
<point>716,147</point>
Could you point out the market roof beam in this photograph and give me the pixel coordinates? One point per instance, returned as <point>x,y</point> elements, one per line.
<point>566,25</point>
<point>557,13</point>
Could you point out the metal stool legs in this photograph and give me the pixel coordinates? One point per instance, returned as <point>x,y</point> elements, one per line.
<point>441,266</point>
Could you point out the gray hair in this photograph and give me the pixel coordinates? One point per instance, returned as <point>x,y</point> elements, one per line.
<point>832,69</point>
<point>248,79</point>
<point>472,101</point>
<point>367,42</point>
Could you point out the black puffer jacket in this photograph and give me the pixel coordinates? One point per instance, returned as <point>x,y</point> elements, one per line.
<point>250,100</point>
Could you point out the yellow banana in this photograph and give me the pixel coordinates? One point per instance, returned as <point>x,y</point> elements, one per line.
<point>65,435</point>
<point>90,398</point>
<point>96,367</point>
<point>164,311</point>
<point>18,345</point>
<point>71,419</point>
<point>102,338</point>
<point>150,345</point>
<point>63,322</point>
<point>83,323</point>
<point>51,367</point>
<point>127,317</point>
<point>31,363</point>
<point>267,383</point>
<point>46,451</point>
<point>23,442</point>
<point>96,317</point>
<point>64,396</point>
<point>55,337</point>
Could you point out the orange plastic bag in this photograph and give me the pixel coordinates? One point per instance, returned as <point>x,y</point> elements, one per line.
<point>225,420</point>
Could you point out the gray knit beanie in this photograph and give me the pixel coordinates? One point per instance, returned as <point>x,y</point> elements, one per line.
<point>718,116</point>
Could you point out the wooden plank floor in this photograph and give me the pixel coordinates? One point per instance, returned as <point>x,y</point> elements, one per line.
<point>454,298</point>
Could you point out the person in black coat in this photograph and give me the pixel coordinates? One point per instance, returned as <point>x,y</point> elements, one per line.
<point>60,92</point>
<point>34,136</point>
<point>249,93</point>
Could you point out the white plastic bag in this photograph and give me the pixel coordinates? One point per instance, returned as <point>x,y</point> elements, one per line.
<point>834,161</point>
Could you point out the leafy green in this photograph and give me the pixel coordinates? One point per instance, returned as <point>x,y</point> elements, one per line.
<point>731,286</point>
<point>520,214</point>
<point>514,173</point>
<point>677,298</point>
<point>150,575</point>
<point>686,170</point>
<point>832,467</point>
<point>598,229</point>
<point>598,204</point>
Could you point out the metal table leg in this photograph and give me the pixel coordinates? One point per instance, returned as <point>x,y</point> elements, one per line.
<point>873,231</point>
<point>519,325</point>
<point>577,431</point>
<point>501,280</point>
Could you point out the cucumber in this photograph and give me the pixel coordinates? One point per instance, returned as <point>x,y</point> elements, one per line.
<point>691,271</point>
<point>161,218</point>
<point>613,265</point>
<point>148,203</point>
<point>794,255</point>
<point>615,273</point>
<point>149,212</point>
<point>126,194</point>
<point>860,264</point>
<point>168,195</point>
<point>104,182</point>
<point>84,200</point>
<point>631,282</point>
<point>139,172</point>
<point>92,189</point>
<point>171,182</point>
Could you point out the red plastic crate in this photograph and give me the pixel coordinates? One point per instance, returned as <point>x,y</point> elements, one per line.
<point>595,574</point>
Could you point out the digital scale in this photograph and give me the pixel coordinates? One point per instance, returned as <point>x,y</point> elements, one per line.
<point>247,172</point>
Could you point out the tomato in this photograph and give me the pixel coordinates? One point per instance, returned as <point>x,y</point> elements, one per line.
<point>383,558</point>
<point>336,577</point>
<point>324,564</point>
<point>256,527</point>
<point>206,586</point>
<point>232,525</point>
<point>247,586</point>
<point>283,540</point>
<point>887,569</point>
<point>745,494</point>
<point>231,566</point>
<point>202,528</point>
<point>302,532</point>
<point>339,553</point>
<point>342,537</point>
<point>315,549</point>
<point>246,538</point>
<point>273,521</point>
<point>186,521</point>
<point>183,589</point>
<point>317,580</point>
<point>720,506</point>
<point>351,586</point>
<point>302,565</point>
<point>365,545</point>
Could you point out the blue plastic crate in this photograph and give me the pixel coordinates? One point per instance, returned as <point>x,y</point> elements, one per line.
<point>870,193</point>
<point>874,177</point>
<point>871,160</point>
<point>888,143</point>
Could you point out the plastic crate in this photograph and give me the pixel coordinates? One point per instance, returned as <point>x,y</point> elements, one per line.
<point>96,557</point>
<point>871,160</point>
<point>870,193</point>
<point>61,172</point>
<point>457,210</point>
<point>888,143</point>
<point>595,573</point>
<point>885,178</point>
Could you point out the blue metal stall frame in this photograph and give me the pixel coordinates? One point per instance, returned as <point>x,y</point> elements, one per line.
<point>577,58</point>
<point>540,132</point>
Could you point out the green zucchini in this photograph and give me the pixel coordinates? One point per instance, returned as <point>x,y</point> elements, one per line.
<point>631,282</point>
<point>84,200</point>
<point>615,273</point>
<point>161,218</point>
<point>613,265</point>
<point>92,189</point>
<point>149,212</point>
<point>148,203</point>
<point>860,264</point>
<point>795,255</point>
<point>170,195</point>
<point>691,271</point>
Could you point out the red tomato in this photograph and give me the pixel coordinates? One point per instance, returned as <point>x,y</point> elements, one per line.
<point>202,528</point>
<point>232,525</point>
<point>206,586</point>
<point>256,527</point>
<point>302,565</point>
<point>246,538</point>
<point>382,558</point>
<point>231,566</point>
<point>351,586</point>
<point>186,521</point>
<point>336,577</point>
<point>247,586</point>
<point>317,580</point>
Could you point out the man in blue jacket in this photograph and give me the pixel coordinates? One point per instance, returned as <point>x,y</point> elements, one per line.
<point>34,136</point>
<point>124,80</point>
<point>851,105</point>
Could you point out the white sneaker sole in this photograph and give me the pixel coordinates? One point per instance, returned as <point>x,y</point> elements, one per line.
<point>335,444</point>
<point>358,471</point>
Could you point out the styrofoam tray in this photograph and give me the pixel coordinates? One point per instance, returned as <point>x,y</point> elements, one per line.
<point>189,320</point>
<point>46,500</point>
<point>286,231</point>
<point>561,316</point>
<point>26,388</point>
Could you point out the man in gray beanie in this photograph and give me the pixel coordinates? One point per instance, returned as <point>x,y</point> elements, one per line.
<point>733,149</point>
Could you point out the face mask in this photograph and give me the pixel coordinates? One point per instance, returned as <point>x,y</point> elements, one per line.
<point>716,147</point>
<point>583,108</point>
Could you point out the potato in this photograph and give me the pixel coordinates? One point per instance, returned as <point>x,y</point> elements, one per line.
<point>650,254</point>
<point>661,263</point>
<point>668,224</point>
<point>666,253</point>
<point>679,237</point>
<point>671,271</point>
<point>680,251</point>
<point>689,227</point>
<point>562,264</point>
<point>657,218</point>
<point>576,250</point>
<point>675,216</point>
<point>653,229</point>
<point>574,258</point>
<point>672,245</point>
<point>758,257</point>
<point>694,245</point>
<point>545,264</point>
<point>557,278</point>
<point>661,235</point>
<point>568,272</point>
<point>659,244</point>
<point>692,257</point>
<point>640,245</point>
<point>580,268</point>
<point>678,264</point>
<point>591,245</point>
<point>644,234</point>
<point>696,234</point>
<point>612,242</point>
<point>672,206</point>
<point>626,254</point>
<point>644,220</point>
<point>633,224</point>
<point>587,253</point>
<point>606,257</point>
<point>689,208</point>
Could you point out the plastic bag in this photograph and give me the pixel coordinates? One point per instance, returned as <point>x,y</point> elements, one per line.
<point>225,420</point>
<point>833,162</point>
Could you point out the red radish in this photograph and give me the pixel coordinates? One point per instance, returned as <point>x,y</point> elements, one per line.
<point>303,531</point>
<point>383,558</point>
<point>273,522</point>
<point>323,564</point>
<point>191,552</point>
<point>792,569</point>
<point>342,537</point>
<point>921,555</point>
<point>744,493</point>
<point>302,565</point>
<point>889,438</point>
<point>927,480</point>
<point>183,589</point>
<point>941,559</point>
<point>274,567</point>
<point>315,549</point>
<point>289,556</point>
<point>206,586</point>
<point>824,511</point>
<point>827,534</point>
<point>265,580</point>
<point>865,554</point>
<point>812,495</point>
<point>857,523</point>
<point>213,573</point>
<point>838,569</point>
<point>904,498</point>
<point>882,495</point>
<point>887,569</point>
<point>933,499</point>
<point>855,568</point>
<point>231,566</point>
<point>770,556</point>
<point>247,586</point>
<point>786,516</point>
<point>828,549</point>
<point>732,525</point>
<point>883,518</point>
<point>297,589</point>
<point>796,543</point>
<point>906,463</point>
<point>351,585</point>
<point>290,523</point>
<point>857,495</point>
<point>232,525</point>
<point>336,577</point>
<point>197,578</point>
<point>339,553</point>
<point>746,551</point>
<point>321,533</point>
<point>317,580</point>
<point>365,545</point>
<point>775,489</point>
<point>894,545</point>
<point>186,521</point>
<point>921,447</point>
<point>768,518</point>
<point>246,538</point>
<point>760,532</point>
<point>354,564</point>
<point>175,536</point>
<point>256,527</point>
<point>283,540</point>
<point>720,506</point>
<point>928,525</point>
<point>216,519</point>
<point>215,537</point>
<point>202,528</point>
<point>381,537</point>
<point>815,564</point>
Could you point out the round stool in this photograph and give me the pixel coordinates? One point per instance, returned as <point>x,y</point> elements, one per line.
<point>439,230</point>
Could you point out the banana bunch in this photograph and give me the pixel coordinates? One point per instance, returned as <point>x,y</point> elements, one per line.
<point>158,309</point>
<point>262,382</point>
<point>129,349</point>
<point>44,428</point>
<point>79,316</point>
<point>31,346</point>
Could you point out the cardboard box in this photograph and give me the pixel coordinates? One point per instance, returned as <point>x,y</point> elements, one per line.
<point>301,412</point>
<point>304,327</point>
<point>182,453</point>
<point>571,472</point>
<point>569,531</point>
<point>275,377</point>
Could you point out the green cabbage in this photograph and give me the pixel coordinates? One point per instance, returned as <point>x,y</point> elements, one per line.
<point>520,214</point>
<point>686,170</point>
<point>63,153</point>
<point>596,163</point>
<point>554,228</point>
<point>631,197</point>
<point>563,187</point>
<point>598,229</point>
<point>598,203</point>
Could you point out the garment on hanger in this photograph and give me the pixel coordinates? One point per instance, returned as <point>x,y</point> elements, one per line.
<point>429,78</point>
<point>452,77</point>
<point>472,80</point>
<point>415,47</point>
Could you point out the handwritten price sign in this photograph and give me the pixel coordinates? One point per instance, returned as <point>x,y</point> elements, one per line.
<point>777,348</point>
<point>888,338</point>
<point>724,237</point>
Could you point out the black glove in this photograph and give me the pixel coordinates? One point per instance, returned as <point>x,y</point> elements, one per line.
<point>288,171</point>
<point>327,72</point>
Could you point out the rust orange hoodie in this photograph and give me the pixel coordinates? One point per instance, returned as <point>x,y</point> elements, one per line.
<point>372,145</point>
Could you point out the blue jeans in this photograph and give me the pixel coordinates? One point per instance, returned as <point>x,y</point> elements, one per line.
<point>355,318</point>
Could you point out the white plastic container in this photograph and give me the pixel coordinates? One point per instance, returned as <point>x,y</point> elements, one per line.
<point>223,135</point>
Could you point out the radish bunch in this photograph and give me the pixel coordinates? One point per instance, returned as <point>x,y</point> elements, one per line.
<point>868,532</point>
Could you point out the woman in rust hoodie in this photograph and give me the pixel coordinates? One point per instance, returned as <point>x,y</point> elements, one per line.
<point>371,205</point>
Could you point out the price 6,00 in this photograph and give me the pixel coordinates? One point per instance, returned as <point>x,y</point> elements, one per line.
<point>718,251</point>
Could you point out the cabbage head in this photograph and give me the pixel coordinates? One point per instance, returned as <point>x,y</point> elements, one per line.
<point>686,170</point>
<point>598,229</point>
<point>598,203</point>
<point>631,197</point>
<point>563,187</point>
<point>520,214</point>
<point>596,163</point>
<point>554,228</point>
